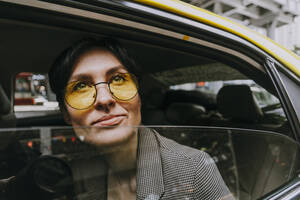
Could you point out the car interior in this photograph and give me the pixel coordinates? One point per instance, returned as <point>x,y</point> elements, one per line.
<point>32,47</point>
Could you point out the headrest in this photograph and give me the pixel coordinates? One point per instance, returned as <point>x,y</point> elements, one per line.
<point>4,103</point>
<point>184,113</point>
<point>237,102</point>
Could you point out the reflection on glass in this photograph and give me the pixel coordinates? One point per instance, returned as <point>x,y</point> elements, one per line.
<point>251,163</point>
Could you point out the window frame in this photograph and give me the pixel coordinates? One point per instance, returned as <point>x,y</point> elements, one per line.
<point>283,96</point>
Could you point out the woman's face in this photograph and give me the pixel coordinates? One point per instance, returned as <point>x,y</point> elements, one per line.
<point>99,65</point>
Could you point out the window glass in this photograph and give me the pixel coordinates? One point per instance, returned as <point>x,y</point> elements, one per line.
<point>251,163</point>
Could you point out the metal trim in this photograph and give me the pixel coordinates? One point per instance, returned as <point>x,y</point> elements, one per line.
<point>283,96</point>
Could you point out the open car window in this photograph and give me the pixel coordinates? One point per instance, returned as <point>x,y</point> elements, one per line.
<point>249,161</point>
<point>268,105</point>
<point>215,94</point>
<point>33,94</point>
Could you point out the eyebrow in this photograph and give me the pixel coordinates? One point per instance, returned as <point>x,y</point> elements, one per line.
<point>115,69</point>
<point>89,77</point>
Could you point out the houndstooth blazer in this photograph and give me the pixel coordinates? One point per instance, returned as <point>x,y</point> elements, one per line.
<point>165,170</point>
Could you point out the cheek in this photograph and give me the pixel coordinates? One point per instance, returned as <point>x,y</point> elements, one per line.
<point>76,117</point>
<point>134,110</point>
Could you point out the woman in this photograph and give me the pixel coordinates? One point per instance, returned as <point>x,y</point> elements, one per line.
<point>96,88</point>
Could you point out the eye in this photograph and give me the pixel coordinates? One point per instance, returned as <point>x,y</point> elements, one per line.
<point>79,86</point>
<point>118,79</point>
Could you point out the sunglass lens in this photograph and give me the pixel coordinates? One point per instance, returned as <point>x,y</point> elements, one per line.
<point>80,95</point>
<point>123,86</point>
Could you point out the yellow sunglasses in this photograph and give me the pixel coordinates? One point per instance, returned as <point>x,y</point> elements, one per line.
<point>82,95</point>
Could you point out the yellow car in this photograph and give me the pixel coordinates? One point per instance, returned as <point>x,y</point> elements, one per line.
<point>205,82</point>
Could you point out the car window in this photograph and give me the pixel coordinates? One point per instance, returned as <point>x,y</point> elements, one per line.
<point>33,96</point>
<point>247,177</point>
<point>223,96</point>
<point>263,97</point>
<point>32,89</point>
<point>267,102</point>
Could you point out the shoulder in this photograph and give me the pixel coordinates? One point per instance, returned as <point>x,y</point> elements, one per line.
<point>194,161</point>
<point>171,147</point>
<point>193,166</point>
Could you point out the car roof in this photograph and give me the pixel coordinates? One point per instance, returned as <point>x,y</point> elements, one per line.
<point>283,55</point>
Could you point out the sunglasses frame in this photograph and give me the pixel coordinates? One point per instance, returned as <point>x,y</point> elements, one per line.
<point>134,78</point>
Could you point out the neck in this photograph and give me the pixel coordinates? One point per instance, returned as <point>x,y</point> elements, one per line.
<point>123,157</point>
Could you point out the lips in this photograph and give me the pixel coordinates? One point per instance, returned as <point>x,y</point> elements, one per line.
<point>109,120</point>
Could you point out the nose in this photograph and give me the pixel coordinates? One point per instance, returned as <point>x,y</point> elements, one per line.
<point>104,99</point>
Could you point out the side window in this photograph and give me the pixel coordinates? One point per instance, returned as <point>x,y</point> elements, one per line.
<point>226,98</point>
<point>216,98</point>
<point>32,95</point>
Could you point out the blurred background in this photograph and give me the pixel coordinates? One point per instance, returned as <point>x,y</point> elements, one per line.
<point>278,19</point>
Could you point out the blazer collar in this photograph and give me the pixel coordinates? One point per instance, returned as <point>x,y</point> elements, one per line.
<point>150,184</point>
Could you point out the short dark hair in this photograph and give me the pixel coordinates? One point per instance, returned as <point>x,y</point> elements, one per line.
<point>62,67</point>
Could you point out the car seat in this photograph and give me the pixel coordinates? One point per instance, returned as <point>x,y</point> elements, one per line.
<point>238,104</point>
<point>179,113</point>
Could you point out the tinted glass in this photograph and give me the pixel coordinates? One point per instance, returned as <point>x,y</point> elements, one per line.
<point>251,163</point>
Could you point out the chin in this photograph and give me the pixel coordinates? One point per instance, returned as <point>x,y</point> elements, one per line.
<point>106,136</point>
